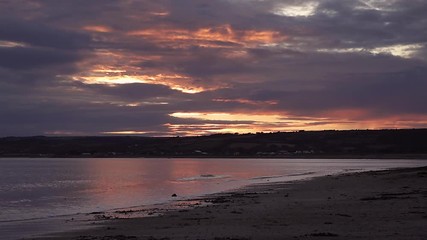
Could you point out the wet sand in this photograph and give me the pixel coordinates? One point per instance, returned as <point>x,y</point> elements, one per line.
<point>388,204</point>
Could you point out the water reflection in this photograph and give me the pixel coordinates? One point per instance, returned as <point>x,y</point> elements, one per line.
<point>46,187</point>
<point>131,182</point>
<point>43,188</point>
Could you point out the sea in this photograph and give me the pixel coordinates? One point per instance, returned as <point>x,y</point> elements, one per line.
<point>45,195</point>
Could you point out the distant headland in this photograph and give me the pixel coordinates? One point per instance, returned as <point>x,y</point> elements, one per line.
<point>401,143</point>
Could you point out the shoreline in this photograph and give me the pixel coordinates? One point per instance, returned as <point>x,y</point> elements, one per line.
<point>385,204</point>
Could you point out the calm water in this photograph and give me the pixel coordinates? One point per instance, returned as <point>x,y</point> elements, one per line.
<point>36,191</point>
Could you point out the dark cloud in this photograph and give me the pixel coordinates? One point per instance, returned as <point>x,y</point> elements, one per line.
<point>388,94</point>
<point>134,91</point>
<point>27,58</point>
<point>39,118</point>
<point>35,51</point>
<point>41,35</point>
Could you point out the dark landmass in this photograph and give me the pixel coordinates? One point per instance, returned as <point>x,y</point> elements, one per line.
<point>402,143</point>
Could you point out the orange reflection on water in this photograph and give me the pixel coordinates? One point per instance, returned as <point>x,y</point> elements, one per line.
<point>113,178</point>
<point>135,182</point>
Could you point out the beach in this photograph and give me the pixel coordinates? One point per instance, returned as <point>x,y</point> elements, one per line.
<point>389,204</point>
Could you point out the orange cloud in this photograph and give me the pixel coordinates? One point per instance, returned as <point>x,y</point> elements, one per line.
<point>174,81</point>
<point>272,122</point>
<point>115,67</point>
<point>259,122</point>
<point>262,36</point>
<point>207,129</point>
<point>97,28</point>
<point>200,36</point>
<point>219,116</point>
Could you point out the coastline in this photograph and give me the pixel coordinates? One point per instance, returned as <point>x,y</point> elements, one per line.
<point>387,204</point>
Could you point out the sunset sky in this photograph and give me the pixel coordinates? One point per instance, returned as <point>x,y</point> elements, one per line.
<point>195,67</point>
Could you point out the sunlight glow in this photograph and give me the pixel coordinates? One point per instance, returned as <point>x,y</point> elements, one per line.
<point>125,132</point>
<point>9,44</point>
<point>208,128</point>
<point>215,122</point>
<point>229,117</point>
<point>301,10</point>
<point>399,50</point>
<point>108,71</point>
<point>160,14</point>
<point>377,5</point>
<point>161,79</point>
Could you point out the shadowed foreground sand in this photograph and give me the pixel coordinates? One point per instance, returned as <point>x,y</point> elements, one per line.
<point>372,205</point>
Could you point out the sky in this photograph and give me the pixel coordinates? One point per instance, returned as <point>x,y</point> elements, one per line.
<point>198,67</point>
